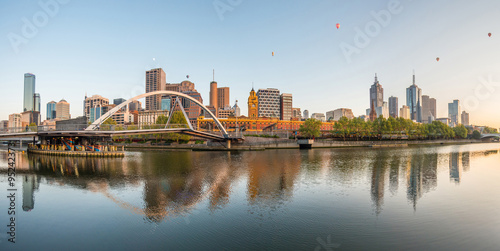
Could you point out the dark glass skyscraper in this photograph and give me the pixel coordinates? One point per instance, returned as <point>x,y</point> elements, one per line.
<point>51,110</point>
<point>29,92</point>
<point>414,101</point>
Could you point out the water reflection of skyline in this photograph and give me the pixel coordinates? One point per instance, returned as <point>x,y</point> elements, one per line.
<point>174,187</point>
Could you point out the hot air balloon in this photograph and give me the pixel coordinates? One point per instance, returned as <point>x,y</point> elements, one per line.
<point>489,34</point>
<point>338,26</point>
<point>437,59</point>
<point>273,53</point>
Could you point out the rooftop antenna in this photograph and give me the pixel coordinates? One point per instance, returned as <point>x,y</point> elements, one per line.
<point>413,76</point>
<point>376,78</point>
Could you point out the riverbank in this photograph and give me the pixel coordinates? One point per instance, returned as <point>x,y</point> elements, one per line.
<point>259,144</point>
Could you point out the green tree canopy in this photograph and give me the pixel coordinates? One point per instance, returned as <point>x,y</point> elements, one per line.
<point>476,134</point>
<point>109,121</point>
<point>460,131</point>
<point>310,128</point>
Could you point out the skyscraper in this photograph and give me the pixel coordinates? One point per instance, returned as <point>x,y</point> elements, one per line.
<point>253,105</point>
<point>414,101</point>
<point>393,106</point>
<point>376,93</point>
<point>118,101</point>
<point>465,118</point>
<point>93,107</point>
<point>29,92</point>
<point>269,103</point>
<point>134,106</point>
<point>36,102</point>
<point>404,112</point>
<point>156,80</point>
<point>223,98</point>
<point>306,114</point>
<point>286,106</point>
<point>428,109</point>
<point>296,114</point>
<point>236,109</point>
<point>51,110</point>
<point>62,110</point>
<point>213,95</point>
<point>454,113</point>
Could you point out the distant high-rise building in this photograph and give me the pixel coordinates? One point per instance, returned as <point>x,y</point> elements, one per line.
<point>404,112</point>
<point>29,92</point>
<point>306,114</point>
<point>319,116</point>
<point>166,103</point>
<point>213,95</point>
<point>93,107</point>
<point>253,105</point>
<point>428,109</point>
<point>4,125</point>
<point>414,101</point>
<point>376,93</point>
<point>236,109</point>
<point>118,101</point>
<point>62,110</point>
<point>15,120</point>
<point>339,113</point>
<point>134,106</point>
<point>296,114</point>
<point>465,118</point>
<point>51,110</point>
<point>36,102</point>
<point>184,86</point>
<point>269,103</point>
<point>373,114</point>
<point>223,97</point>
<point>286,106</point>
<point>454,113</point>
<point>393,107</point>
<point>156,80</point>
<point>382,110</point>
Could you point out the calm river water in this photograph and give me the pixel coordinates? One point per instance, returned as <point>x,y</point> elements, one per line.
<point>414,198</point>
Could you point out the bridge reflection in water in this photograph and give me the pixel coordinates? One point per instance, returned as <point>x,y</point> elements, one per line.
<point>174,183</point>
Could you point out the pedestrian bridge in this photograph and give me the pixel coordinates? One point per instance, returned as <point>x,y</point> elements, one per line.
<point>99,129</point>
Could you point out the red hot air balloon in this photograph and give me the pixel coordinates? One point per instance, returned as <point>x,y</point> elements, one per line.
<point>437,59</point>
<point>338,25</point>
<point>489,34</point>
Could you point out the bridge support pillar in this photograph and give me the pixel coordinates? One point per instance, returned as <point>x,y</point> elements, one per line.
<point>228,144</point>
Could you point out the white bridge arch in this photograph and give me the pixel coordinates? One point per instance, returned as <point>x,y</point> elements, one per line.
<point>107,115</point>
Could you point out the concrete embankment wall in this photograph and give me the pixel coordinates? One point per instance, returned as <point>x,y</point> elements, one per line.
<point>255,143</point>
<point>286,143</point>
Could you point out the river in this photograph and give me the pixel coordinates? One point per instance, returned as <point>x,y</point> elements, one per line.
<point>410,198</point>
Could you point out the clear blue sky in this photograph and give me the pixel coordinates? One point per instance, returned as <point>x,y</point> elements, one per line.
<point>105,47</point>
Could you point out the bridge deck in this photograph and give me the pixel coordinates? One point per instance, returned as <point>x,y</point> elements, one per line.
<point>84,133</point>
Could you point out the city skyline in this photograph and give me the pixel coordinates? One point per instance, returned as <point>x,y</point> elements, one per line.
<point>310,57</point>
